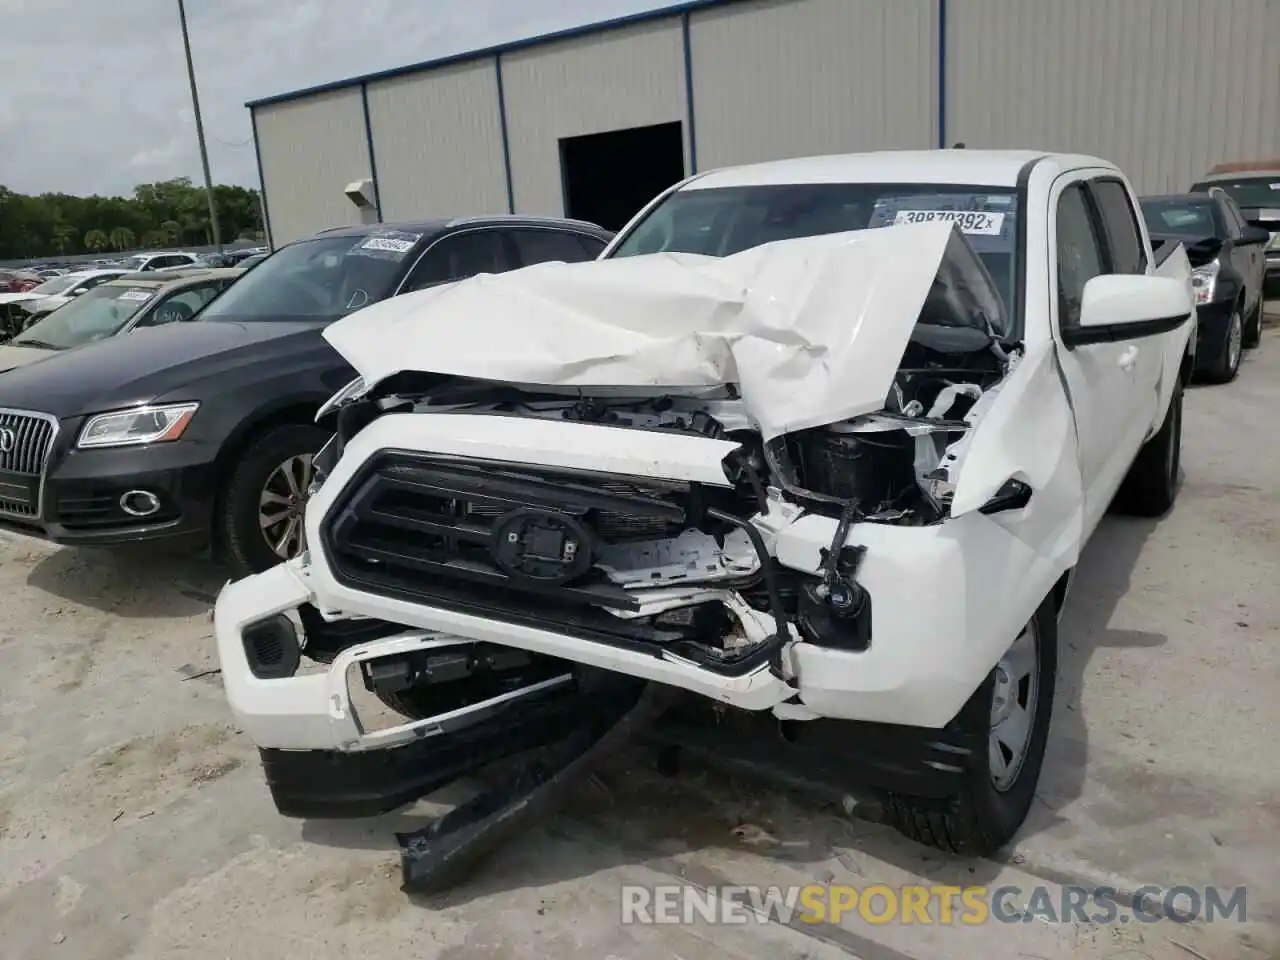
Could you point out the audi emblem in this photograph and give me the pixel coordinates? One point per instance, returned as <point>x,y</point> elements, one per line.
<point>8,440</point>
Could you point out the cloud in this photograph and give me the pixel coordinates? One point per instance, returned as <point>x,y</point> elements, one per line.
<point>94,96</point>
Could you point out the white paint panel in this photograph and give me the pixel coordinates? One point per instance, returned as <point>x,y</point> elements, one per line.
<point>628,77</point>
<point>787,78</point>
<point>1163,88</point>
<point>311,149</point>
<point>437,139</point>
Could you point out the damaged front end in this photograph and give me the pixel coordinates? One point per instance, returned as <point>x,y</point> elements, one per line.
<point>510,565</point>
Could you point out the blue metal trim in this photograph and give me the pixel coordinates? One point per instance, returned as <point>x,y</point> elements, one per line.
<point>942,74</point>
<point>373,160</point>
<point>502,126</point>
<point>262,180</point>
<point>688,93</point>
<point>660,13</point>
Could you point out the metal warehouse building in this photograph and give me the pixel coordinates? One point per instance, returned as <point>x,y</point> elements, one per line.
<point>592,122</point>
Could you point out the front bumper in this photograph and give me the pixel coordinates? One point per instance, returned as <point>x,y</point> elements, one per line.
<point>77,500</point>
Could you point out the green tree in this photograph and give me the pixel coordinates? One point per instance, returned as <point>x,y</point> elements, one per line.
<point>96,240</point>
<point>63,233</point>
<point>121,238</point>
<point>36,226</point>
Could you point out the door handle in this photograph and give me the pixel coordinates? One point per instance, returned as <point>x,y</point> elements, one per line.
<point>1128,359</point>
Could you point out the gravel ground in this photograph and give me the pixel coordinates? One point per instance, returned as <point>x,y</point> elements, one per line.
<point>134,822</point>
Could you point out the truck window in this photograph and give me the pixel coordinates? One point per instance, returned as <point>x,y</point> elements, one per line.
<point>1079,252</point>
<point>1124,238</point>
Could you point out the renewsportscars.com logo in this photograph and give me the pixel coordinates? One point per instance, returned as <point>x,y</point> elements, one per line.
<point>940,905</point>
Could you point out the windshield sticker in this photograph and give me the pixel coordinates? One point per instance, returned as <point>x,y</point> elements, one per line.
<point>969,221</point>
<point>387,244</point>
<point>138,294</point>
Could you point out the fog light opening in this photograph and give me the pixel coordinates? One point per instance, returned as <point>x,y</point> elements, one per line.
<point>139,503</point>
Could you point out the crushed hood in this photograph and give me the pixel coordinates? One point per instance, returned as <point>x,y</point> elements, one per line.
<point>811,331</point>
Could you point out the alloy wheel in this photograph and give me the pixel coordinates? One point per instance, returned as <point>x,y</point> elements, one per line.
<point>282,504</point>
<point>1235,341</point>
<point>1013,708</point>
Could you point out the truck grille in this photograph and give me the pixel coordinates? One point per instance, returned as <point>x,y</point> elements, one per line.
<point>409,525</point>
<point>25,441</point>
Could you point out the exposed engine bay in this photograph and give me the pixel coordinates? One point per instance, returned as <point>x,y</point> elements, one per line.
<point>682,568</point>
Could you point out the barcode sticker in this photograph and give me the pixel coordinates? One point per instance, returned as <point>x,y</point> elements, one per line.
<point>969,221</point>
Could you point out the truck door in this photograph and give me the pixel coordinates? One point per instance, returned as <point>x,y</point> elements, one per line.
<point>1102,378</point>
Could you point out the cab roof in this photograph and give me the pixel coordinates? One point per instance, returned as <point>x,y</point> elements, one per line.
<point>989,168</point>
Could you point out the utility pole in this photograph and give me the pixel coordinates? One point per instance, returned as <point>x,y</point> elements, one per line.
<point>195,108</point>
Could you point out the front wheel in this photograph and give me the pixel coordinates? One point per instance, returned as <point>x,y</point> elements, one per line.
<point>1011,712</point>
<point>1226,364</point>
<point>261,516</point>
<point>1253,329</point>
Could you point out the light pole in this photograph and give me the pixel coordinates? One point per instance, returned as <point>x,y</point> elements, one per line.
<point>195,108</point>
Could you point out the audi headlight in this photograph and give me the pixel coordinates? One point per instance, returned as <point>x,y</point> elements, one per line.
<point>126,428</point>
<point>1204,280</point>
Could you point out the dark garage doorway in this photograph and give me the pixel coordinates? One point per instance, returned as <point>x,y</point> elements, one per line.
<point>609,176</point>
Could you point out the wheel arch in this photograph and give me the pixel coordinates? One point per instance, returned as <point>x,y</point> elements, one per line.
<point>299,410</point>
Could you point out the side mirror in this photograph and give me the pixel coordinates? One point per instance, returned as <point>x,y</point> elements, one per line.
<point>1121,306</point>
<point>1254,236</point>
<point>79,290</point>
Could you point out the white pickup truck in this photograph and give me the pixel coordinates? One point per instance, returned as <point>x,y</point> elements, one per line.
<point>836,477</point>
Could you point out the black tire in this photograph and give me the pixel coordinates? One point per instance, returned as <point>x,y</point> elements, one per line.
<point>1226,363</point>
<point>1253,329</point>
<point>1151,486</point>
<point>981,819</point>
<point>239,531</point>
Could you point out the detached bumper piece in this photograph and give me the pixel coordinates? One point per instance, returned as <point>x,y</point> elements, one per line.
<point>443,854</point>
<point>328,784</point>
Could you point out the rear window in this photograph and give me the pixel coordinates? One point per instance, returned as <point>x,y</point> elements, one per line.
<point>1248,192</point>
<point>1194,219</point>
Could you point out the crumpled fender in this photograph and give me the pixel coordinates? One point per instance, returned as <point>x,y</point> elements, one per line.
<point>1029,434</point>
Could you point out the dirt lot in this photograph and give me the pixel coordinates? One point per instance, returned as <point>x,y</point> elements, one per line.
<point>134,822</point>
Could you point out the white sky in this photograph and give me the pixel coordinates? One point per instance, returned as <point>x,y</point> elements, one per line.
<point>94,95</point>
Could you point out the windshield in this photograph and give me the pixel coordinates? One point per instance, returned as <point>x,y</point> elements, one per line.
<point>1194,219</point>
<point>1248,192</point>
<point>321,279</point>
<point>101,312</point>
<point>725,220</point>
<point>133,263</point>
<point>56,285</point>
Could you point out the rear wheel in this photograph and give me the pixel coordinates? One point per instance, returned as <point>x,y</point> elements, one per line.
<point>1011,711</point>
<point>1151,485</point>
<point>1253,329</point>
<point>261,516</point>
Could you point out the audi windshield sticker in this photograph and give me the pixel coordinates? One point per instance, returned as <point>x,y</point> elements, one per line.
<point>137,294</point>
<point>387,244</point>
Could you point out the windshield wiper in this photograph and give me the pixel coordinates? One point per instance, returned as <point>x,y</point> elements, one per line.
<point>38,344</point>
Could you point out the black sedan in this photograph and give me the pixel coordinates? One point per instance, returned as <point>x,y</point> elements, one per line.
<point>1229,270</point>
<point>206,429</point>
<point>1255,189</point>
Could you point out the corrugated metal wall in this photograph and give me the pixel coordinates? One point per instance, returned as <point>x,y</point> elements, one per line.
<point>438,142</point>
<point>310,150</point>
<point>1163,88</point>
<point>628,77</point>
<point>783,78</point>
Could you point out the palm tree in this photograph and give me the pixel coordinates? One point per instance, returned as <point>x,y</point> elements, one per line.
<point>96,240</point>
<point>121,238</point>
<point>62,234</point>
<point>171,229</point>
